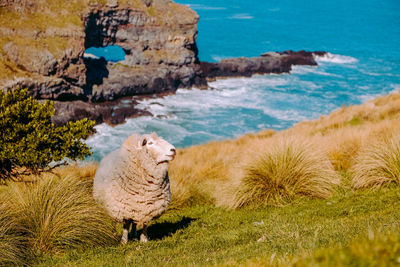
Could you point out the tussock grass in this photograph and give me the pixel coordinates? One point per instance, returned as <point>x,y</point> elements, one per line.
<point>12,245</point>
<point>211,173</point>
<point>292,168</point>
<point>198,171</point>
<point>59,213</point>
<point>297,164</point>
<point>378,164</point>
<point>209,236</point>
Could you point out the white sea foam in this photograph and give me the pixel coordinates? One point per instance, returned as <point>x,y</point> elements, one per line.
<point>241,16</point>
<point>335,58</point>
<point>379,74</point>
<point>219,58</point>
<point>89,55</point>
<point>300,70</point>
<point>284,115</point>
<point>255,81</point>
<point>395,86</point>
<point>236,106</point>
<point>203,7</point>
<point>276,9</point>
<point>365,98</point>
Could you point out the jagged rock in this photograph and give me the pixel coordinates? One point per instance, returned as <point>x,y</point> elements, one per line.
<point>271,62</point>
<point>112,113</point>
<point>159,38</point>
<point>33,60</point>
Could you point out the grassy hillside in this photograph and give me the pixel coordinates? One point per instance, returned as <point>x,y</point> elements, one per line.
<point>324,192</point>
<point>212,173</point>
<point>309,231</point>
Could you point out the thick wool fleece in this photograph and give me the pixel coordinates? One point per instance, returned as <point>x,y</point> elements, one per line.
<point>131,185</point>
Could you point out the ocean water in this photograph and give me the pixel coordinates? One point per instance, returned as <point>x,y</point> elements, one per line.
<point>362,37</point>
<point>113,53</point>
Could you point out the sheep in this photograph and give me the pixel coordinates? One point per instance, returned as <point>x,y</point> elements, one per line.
<point>133,184</point>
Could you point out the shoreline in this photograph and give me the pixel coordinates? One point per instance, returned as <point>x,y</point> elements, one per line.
<point>115,112</point>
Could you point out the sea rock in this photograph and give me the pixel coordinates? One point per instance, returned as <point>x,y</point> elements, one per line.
<point>112,113</point>
<point>271,62</point>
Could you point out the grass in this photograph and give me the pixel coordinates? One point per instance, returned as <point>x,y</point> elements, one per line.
<point>12,245</point>
<point>58,212</point>
<point>290,169</point>
<point>305,218</point>
<point>372,249</point>
<point>223,164</point>
<point>207,235</point>
<point>378,164</point>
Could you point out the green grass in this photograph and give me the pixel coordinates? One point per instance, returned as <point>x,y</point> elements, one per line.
<point>355,121</point>
<point>372,249</point>
<point>206,235</point>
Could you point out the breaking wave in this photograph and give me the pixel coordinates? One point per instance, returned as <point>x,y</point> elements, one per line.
<point>333,58</point>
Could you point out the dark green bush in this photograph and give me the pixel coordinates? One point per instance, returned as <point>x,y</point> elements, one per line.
<point>29,140</point>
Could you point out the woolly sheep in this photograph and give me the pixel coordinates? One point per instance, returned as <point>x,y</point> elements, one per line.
<point>132,182</point>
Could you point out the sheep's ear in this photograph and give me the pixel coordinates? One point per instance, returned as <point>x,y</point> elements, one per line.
<point>144,141</point>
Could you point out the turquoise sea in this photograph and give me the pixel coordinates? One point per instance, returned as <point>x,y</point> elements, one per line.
<point>362,37</point>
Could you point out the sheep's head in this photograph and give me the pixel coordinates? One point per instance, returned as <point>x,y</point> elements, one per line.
<point>159,149</point>
<point>154,146</point>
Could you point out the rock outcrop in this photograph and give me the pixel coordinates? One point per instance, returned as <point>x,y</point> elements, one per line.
<point>42,44</point>
<point>271,62</point>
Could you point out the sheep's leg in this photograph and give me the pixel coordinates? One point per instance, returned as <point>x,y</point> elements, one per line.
<point>143,236</point>
<point>125,231</point>
<point>133,232</point>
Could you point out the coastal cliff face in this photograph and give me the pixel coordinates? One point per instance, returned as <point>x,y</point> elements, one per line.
<point>42,44</point>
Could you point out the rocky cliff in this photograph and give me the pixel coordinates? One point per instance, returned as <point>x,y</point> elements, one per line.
<point>42,44</point>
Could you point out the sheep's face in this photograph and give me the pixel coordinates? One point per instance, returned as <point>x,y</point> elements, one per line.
<point>159,149</point>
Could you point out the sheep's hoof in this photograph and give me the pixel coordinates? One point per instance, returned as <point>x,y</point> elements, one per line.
<point>143,238</point>
<point>124,241</point>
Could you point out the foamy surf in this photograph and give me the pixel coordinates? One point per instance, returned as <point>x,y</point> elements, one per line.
<point>301,70</point>
<point>234,107</point>
<point>334,58</point>
<point>237,106</point>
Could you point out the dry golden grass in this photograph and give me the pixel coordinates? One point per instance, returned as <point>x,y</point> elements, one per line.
<point>58,212</point>
<point>213,172</point>
<point>208,173</point>
<point>378,164</point>
<point>362,143</point>
<point>289,169</point>
<point>12,245</point>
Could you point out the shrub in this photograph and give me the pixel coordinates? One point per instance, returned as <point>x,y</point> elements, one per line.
<point>28,138</point>
<point>59,213</point>
<point>290,169</point>
<point>378,164</point>
<point>12,246</point>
